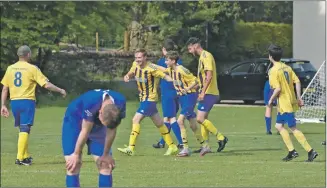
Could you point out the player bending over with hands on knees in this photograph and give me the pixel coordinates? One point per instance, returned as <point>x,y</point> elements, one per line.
<point>185,84</point>
<point>20,81</point>
<point>93,118</point>
<point>147,78</point>
<point>282,78</point>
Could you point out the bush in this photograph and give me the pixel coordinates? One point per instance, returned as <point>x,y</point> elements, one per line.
<point>251,39</point>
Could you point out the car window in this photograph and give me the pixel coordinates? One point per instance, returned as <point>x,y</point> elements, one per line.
<point>301,66</point>
<point>243,68</point>
<point>262,67</point>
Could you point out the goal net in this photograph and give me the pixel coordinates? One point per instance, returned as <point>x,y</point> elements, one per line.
<point>314,98</point>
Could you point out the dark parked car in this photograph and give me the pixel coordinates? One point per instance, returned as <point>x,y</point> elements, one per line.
<point>245,80</point>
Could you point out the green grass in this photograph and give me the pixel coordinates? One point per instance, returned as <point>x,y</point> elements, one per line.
<point>250,158</point>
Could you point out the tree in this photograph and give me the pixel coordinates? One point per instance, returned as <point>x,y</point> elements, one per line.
<point>41,25</point>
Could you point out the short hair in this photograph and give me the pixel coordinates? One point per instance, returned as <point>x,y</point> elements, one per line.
<point>169,45</point>
<point>141,50</point>
<point>193,40</point>
<point>276,52</point>
<point>172,55</point>
<point>23,51</point>
<point>111,116</point>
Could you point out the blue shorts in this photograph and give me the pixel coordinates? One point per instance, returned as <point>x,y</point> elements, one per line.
<point>267,93</point>
<point>148,108</point>
<point>207,103</point>
<point>188,103</point>
<point>288,118</point>
<point>70,131</point>
<point>23,111</point>
<point>170,106</point>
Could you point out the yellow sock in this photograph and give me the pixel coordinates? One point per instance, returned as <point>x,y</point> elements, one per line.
<point>287,139</point>
<point>208,125</point>
<point>26,154</point>
<point>132,138</point>
<point>166,135</point>
<point>205,133</point>
<point>184,137</point>
<point>199,137</point>
<point>22,143</point>
<point>302,140</point>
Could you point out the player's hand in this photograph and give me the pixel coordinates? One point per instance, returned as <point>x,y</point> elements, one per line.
<point>126,78</point>
<point>184,91</point>
<point>4,111</point>
<point>63,93</point>
<point>201,97</point>
<point>300,102</point>
<point>73,161</point>
<point>106,161</point>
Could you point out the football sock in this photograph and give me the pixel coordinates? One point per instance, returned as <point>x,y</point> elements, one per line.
<point>132,138</point>
<point>199,138</point>
<point>302,140</point>
<point>26,154</point>
<point>162,141</point>
<point>184,137</point>
<point>207,124</point>
<point>205,133</point>
<point>105,180</point>
<point>22,144</point>
<point>268,124</point>
<point>177,132</point>
<point>72,180</point>
<point>166,135</point>
<point>287,139</point>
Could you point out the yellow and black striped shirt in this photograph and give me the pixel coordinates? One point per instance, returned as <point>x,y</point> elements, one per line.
<point>183,78</point>
<point>147,80</point>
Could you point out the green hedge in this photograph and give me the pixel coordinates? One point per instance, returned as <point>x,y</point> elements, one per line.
<point>251,39</point>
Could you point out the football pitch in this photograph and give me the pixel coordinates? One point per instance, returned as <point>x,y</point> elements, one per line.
<point>251,158</point>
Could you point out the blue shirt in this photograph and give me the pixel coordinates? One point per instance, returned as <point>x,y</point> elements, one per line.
<point>87,105</point>
<point>167,88</point>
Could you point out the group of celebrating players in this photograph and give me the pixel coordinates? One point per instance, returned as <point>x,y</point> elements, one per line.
<point>93,117</point>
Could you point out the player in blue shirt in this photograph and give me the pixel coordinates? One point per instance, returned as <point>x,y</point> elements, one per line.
<point>267,92</point>
<point>169,99</point>
<point>92,118</point>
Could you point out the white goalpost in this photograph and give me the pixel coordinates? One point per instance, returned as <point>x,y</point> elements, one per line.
<point>314,98</point>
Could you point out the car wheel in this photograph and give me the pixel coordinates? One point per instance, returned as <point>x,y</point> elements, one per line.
<point>249,101</point>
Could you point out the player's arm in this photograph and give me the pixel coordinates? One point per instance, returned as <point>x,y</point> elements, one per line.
<point>51,87</point>
<point>208,68</point>
<point>130,73</point>
<point>44,82</point>
<point>83,135</point>
<point>274,83</point>
<point>110,137</point>
<point>190,78</point>
<point>161,68</point>
<point>160,74</point>
<point>4,95</point>
<point>297,83</point>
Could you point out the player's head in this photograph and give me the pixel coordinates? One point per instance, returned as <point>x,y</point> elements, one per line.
<point>24,52</point>
<point>171,58</point>
<point>140,56</point>
<point>275,53</point>
<point>109,115</point>
<point>169,45</point>
<point>194,45</point>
